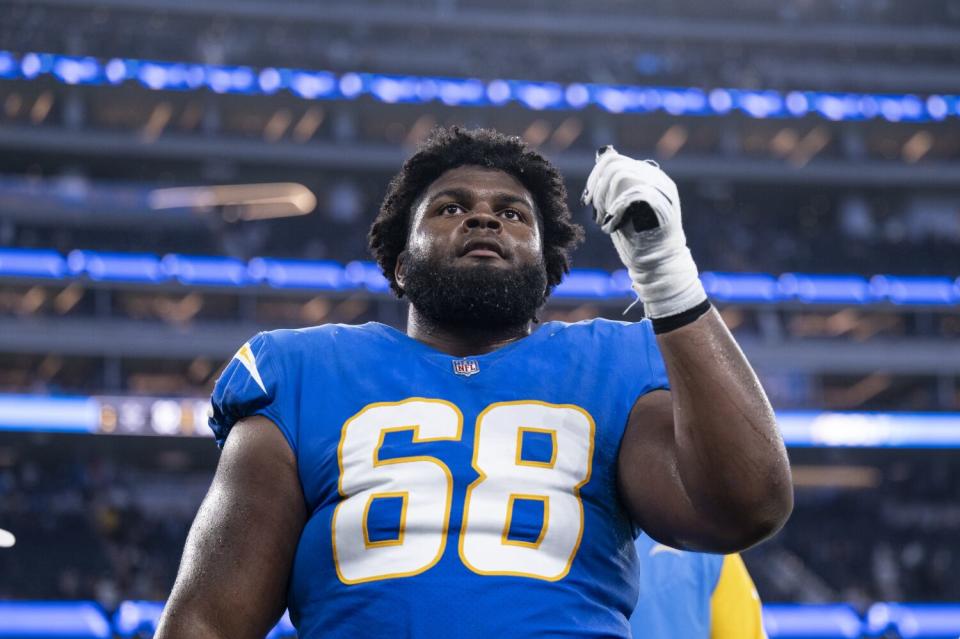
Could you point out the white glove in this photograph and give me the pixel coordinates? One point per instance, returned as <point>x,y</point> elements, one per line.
<point>658,260</point>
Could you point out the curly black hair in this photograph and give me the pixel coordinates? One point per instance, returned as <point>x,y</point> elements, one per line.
<point>450,147</point>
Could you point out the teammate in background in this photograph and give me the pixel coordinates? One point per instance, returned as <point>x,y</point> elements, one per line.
<point>689,595</point>
<point>439,482</point>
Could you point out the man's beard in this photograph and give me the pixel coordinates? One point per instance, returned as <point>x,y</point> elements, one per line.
<point>477,297</point>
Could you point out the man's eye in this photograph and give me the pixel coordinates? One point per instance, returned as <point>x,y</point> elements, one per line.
<point>451,209</point>
<point>511,214</point>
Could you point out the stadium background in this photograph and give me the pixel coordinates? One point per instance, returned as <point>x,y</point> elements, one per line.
<point>816,144</point>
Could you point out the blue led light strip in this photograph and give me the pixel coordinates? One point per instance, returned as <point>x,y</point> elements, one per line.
<point>193,270</point>
<point>326,85</point>
<point>137,618</point>
<point>165,416</point>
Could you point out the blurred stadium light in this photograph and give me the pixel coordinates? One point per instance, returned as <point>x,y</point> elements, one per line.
<point>837,621</point>
<point>132,415</point>
<point>61,414</point>
<point>741,287</point>
<point>53,620</point>
<point>317,85</point>
<point>85,620</point>
<point>837,289</point>
<point>134,619</point>
<point>137,618</point>
<point>921,621</point>
<point>914,290</point>
<point>580,283</point>
<point>206,270</point>
<point>894,430</point>
<point>123,267</point>
<point>7,539</point>
<point>238,201</point>
<point>321,275</point>
<point>587,283</point>
<point>864,106</point>
<point>32,263</point>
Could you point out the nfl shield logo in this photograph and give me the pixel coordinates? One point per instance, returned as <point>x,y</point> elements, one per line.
<point>466,367</point>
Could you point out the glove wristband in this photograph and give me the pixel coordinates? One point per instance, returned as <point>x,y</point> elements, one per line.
<point>667,286</point>
<point>663,325</point>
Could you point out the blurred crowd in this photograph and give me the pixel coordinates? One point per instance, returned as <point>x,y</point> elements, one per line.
<point>894,541</point>
<point>798,11</point>
<point>109,524</point>
<point>97,527</point>
<point>105,518</point>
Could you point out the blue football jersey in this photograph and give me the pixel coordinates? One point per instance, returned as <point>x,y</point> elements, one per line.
<point>453,497</point>
<point>676,588</point>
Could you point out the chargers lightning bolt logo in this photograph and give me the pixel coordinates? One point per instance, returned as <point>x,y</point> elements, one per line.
<point>246,357</point>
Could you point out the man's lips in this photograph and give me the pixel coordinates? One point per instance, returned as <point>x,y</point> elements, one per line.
<point>482,248</point>
<point>481,253</point>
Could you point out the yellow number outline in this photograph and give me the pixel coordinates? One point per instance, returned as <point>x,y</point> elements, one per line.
<point>398,460</point>
<point>543,431</point>
<point>481,477</point>
<point>405,495</point>
<point>505,539</point>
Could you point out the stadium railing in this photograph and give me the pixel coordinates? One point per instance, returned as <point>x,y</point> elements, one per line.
<point>189,270</point>
<point>87,620</point>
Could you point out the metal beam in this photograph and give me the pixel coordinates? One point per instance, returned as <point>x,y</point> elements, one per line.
<point>127,338</point>
<point>123,338</point>
<point>567,25</point>
<point>832,74</point>
<point>899,357</point>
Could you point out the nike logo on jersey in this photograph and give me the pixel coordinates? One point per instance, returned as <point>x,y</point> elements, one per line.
<point>246,357</point>
<point>660,548</point>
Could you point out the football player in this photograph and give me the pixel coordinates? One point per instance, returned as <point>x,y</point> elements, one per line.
<point>692,595</point>
<point>482,474</point>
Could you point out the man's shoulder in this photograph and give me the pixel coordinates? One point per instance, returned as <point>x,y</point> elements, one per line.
<point>600,328</point>
<point>293,347</point>
<point>292,339</point>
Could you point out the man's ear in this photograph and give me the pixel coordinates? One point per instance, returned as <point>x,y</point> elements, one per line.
<point>400,270</point>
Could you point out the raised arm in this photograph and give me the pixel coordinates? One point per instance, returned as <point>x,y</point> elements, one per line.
<point>232,581</point>
<point>702,467</point>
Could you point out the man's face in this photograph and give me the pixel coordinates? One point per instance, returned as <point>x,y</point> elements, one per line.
<point>474,254</point>
<point>473,215</point>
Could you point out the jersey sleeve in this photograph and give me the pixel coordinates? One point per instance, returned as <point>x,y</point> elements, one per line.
<point>658,369</point>
<point>735,609</point>
<point>639,344</point>
<point>252,384</point>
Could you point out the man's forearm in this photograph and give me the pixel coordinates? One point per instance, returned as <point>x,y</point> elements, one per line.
<point>730,455</point>
<point>175,624</point>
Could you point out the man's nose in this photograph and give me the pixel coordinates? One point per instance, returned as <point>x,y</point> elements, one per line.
<point>481,218</point>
